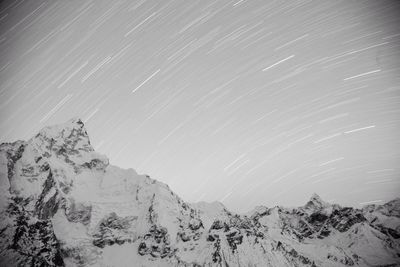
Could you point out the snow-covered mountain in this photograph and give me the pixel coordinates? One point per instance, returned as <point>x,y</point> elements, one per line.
<point>62,204</point>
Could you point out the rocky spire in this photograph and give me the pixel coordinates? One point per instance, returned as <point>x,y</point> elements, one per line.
<point>315,202</point>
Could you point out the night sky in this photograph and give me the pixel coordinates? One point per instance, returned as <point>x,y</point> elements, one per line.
<point>244,102</point>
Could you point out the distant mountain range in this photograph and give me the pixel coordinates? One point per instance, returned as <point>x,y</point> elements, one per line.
<point>62,204</point>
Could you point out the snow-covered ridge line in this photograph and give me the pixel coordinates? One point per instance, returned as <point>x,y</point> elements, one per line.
<point>63,204</point>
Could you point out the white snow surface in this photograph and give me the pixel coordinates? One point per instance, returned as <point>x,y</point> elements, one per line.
<point>102,215</point>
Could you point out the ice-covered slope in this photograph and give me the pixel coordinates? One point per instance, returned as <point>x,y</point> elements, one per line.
<point>62,204</point>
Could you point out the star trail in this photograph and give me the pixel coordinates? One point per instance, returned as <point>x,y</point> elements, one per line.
<point>244,102</point>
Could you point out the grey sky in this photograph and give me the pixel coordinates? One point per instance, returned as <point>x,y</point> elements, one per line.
<point>248,102</point>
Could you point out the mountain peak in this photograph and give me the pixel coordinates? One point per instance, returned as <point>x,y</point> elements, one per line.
<point>71,134</point>
<point>316,202</point>
<point>70,142</point>
<point>391,208</point>
<point>58,129</point>
<point>316,198</point>
<point>76,121</point>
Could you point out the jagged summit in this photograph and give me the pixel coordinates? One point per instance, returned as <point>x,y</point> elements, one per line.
<point>315,197</point>
<point>316,203</point>
<point>60,130</point>
<point>71,134</point>
<point>391,208</point>
<point>63,204</point>
<point>68,142</point>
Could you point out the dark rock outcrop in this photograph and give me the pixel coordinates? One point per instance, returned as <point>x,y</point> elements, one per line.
<point>114,230</point>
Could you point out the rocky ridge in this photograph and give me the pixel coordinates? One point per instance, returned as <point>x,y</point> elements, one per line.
<point>63,204</point>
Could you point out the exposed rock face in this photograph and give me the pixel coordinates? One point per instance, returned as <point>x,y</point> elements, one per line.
<point>28,241</point>
<point>78,212</point>
<point>62,204</point>
<point>114,230</point>
<point>156,243</point>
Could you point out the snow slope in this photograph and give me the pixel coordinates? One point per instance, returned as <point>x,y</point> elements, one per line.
<point>63,204</point>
